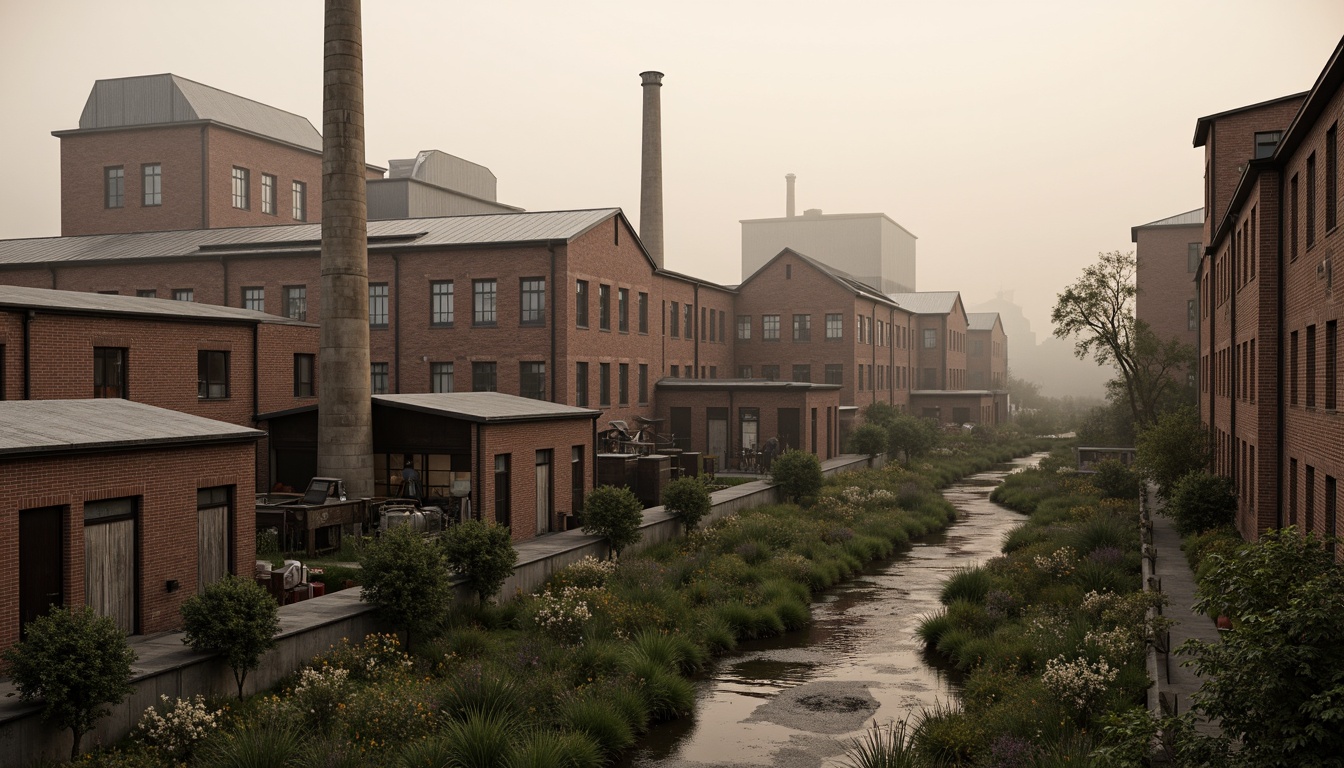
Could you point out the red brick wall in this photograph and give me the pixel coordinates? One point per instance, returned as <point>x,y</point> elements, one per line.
<point>166,482</point>
<point>1230,143</point>
<point>769,403</point>
<point>521,442</point>
<point>989,368</point>
<point>1164,281</point>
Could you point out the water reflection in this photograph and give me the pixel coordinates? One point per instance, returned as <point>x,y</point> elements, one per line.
<point>796,700</point>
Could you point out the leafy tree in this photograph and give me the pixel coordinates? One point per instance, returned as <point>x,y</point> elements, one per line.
<point>615,514</point>
<point>688,500</point>
<point>1098,311</point>
<point>870,439</point>
<point>406,577</point>
<point>77,663</point>
<point>483,553</point>
<point>1174,446</point>
<point>1109,424</point>
<point>1201,501</point>
<point>1276,681</point>
<point>912,436</point>
<point>1117,481</point>
<point>236,618</point>
<point>798,474</point>
<point>881,414</point>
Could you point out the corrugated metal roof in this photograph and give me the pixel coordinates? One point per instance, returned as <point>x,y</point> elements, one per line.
<point>1179,220</point>
<point>927,302</point>
<point>478,229</point>
<point>485,406</point>
<point>45,298</point>
<point>981,321</point>
<point>42,426</point>
<point>167,98</point>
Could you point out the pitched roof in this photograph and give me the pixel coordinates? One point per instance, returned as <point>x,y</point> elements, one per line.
<point>927,302</point>
<point>485,406</point>
<point>98,303</point>
<point>443,231</point>
<point>29,427</point>
<point>167,98</point>
<point>1202,124</point>
<point>1187,219</point>
<point>981,321</point>
<point>846,280</point>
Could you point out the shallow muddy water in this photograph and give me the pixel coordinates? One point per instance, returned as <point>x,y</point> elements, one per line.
<point>797,700</point>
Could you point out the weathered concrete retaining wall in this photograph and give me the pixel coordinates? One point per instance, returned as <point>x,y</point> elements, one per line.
<point>167,667</point>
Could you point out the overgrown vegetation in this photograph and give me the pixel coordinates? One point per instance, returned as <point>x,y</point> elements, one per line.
<point>406,577</point>
<point>1201,502</point>
<point>798,474</point>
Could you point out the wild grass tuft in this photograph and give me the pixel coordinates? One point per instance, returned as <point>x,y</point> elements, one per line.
<point>970,583</point>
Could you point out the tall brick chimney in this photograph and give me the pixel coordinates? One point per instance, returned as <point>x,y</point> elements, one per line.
<point>788,205</point>
<point>651,174</point>
<point>345,421</point>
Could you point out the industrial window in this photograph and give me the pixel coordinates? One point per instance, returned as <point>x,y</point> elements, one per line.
<point>146,293</point>
<point>114,187</point>
<point>440,377</point>
<point>1266,142</point>
<point>835,325</point>
<point>184,294</point>
<point>212,374</point>
<point>441,303</point>
<point>802,373</point>
<point>254,298</point>
<point>1310,488</point>
<point>296,302</point>
<point>241,189</point>
<point>643,308</point>
<point>674,320</point>
<point>604,383</point>
<point>770,327</point>
<point>1292,240</point>
<point>623,310</point>
<point>532,294</point>
<point>744,371</point>
<point>770,372</point>
<point>604,307</point>
<point>1292,368</point>
<point>702,324</point>
<point>1331,491</point>
<point>688,316</point>
<point>644,383</point>
<point>484,377</point>
<point>623,384</point>
<point>930,338</point>
<point>300,190</point>
<point>581,384</point>
<point>1331,177</point>
<point>1191,321</point>
<point>484,294</point>
<point>532,380</point>
<point>713,325</point>
<point>744,327</point>
<point>303,375</point>
<point>835,373</point>
<point>860,376</point>
<point>581,303</point>
<point>1311,199</point>
<point>503,500</point>
<point>723,335</point>
<point>713,371</point>
<point>268,184</point>
<point>1311,366</point>
<point>109,372</point>
<point>674,371</point>
<point>378,309</point>
<point>1331,363</point>
<point>378,379</point>
<point>1192,256</point>
<point>151,184</point>
<point>802,327</point>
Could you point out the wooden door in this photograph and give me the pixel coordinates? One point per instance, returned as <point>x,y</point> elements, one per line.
<point>109,570</point>
<point>212,545</point>
<point>543,491</point>
<point>41,566</point>
<point>790,429</point>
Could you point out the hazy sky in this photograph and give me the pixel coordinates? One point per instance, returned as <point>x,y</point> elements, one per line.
<point>1015,139</point>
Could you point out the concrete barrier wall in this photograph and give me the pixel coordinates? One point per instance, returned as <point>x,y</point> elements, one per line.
<point>167,667</point>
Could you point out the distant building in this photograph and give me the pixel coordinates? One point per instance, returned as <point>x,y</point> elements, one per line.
<point>1168,252</point>
<point>434,183</point>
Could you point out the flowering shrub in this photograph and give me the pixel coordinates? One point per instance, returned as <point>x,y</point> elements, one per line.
<point>1107,556</point>
<point>792,565</point>
<point>1120,643</point>
<point>320,694</point>
<point>177,729</point>
<point>562,615</point>
<point>378,657</point>
<point>1059,563</point>
<point>1078,683</point>
<point>1000,604</point>
<point>585,574</point>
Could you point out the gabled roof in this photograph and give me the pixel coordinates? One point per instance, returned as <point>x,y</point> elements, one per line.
<point>982,321</point>
<point>1187,219</point>
<point>77,302</point>
<point>1318,98</point>
<point>844,279</point>
<point>927,302</point>
<point>167,98</point>
<point>33,427</point>
<point>486,407</point>
<point>538,227</point>
<point>1202,124</point>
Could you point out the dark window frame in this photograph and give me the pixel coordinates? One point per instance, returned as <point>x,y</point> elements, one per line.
<point>269,184</point>
<point>117,360</point>
<point>531,301</point>
<point>642,307</point>
<point>581,384</point>
<point>151,192</point>
<point>296,302</point>
<point>485,376</point>
<point>802,327</point>
<point>253,297</point>
<point>212,381</point>
<point>241,188</point>
<point>603,307</point>
<point>299,191</point>
<point>485,302</point>
<point>379,372</point>
<point>442,376</point>
<point>380,305</point>
<point>114,186</point>
<point>532,379</point>
<point>767,321</point>
<point>623,310</point>
<point>305,375</point>
<point>580,303</point>
<point>442,303</point>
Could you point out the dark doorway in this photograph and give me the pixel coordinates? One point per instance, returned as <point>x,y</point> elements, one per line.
<point>814,430</point>
<point>40,562</point>
<point>576,479</point>
<point>681,428</point>
<point>790,429</point>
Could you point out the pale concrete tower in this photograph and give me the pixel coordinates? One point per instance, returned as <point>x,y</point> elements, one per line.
<point>651,176</point>
<point>788,198</point>
<point>344,431</point>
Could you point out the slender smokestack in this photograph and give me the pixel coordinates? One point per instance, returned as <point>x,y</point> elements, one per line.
<point>344,430</point>
<point>788,205</point>
<point>651,175</point>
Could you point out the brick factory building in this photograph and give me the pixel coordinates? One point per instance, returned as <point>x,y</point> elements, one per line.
<point>119,505</point>
<point>1268,323</point>
<point>1168,252</point>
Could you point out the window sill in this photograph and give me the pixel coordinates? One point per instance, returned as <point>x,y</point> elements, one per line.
<point>200,399</point>
<point>581,327</point>
<point>382,327</point>
<point>532,324</point>
<point>440,325</point>
<point>485,325</point>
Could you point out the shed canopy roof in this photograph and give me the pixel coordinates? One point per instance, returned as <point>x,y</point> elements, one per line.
<point>30,427</point>
<point>98,303</point>
<point>484,406</point>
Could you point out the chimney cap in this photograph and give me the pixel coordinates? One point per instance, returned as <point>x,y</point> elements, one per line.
<point>651,77</point>
<point>790,176</point>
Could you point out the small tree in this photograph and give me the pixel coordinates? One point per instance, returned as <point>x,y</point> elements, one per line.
<point>687,500</point>
<point>615,514</point>
<point>1176,445</point>
<point>1202,501</point>
<point>77,663</point>
<point>406,578</point>
<point>235,618</point>
<point>798,475</point>
<point>1117,481</point>
<point>482,552</point>
<point>912,436</point>
<point>870,439</point>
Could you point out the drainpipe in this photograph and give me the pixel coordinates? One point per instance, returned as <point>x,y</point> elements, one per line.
<point>396,324</point>
<point>555,300</point>
<point>28,318</point>
<point>205,178</point>
<point>256,385</point>
<point>695,337</point>
<point>1233,367</point>
<point>1280,410</point>
<point>480,481</point>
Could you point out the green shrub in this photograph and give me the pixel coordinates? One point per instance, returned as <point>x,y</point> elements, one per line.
<point>688,500</point>
<point>480,741</point>
<point>551,749</point>
<point>870,439</point>
<point>482,552</point>
<point>476,691</point>
<point>235,618</point>
<point>946,735</point>
<point>1174,446</point>
<point>614,514</point>
<point>264,745</point>
<point>969,583</point>
<point>798,474</point>
<point>1201,501</point>
<point>407,580</point>
<point>881,746</point>
<point>599,720</point>
<point>1115,480</point>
